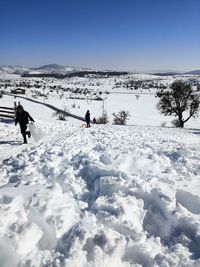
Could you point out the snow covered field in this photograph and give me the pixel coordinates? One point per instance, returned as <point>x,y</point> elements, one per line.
<point>103,196</point>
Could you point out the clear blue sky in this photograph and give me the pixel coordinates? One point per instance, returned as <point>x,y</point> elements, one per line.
<point>138,35</point>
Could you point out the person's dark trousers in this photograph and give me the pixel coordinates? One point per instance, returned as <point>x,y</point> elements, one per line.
<point>88,124</point>
<point>23,131</point>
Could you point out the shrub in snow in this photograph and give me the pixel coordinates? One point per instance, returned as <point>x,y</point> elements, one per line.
<point>121,117</point>
<point>179,98</point>
<point>103,119</point>
<point>61,114</point>
<point>163,124</point>
<point>176,123</point>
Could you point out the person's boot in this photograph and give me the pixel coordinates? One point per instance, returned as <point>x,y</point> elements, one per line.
<point>28,133</point>
<point>25,141</point>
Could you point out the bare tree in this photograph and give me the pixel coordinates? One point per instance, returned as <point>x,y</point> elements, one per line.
<point>179,98</point>
<point>121,117</point>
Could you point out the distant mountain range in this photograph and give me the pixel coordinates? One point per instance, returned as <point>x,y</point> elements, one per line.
<point>193,72</point>
<point>171,73</point>
<point>46,69</point>
<point>167,73</point>
<point>56,71</point>
<point>63,70</point>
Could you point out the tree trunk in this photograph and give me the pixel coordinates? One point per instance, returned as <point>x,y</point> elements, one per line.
<point>181,123</point>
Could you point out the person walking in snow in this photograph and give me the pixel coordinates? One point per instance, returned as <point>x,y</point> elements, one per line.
<point>23,117</point>
<point>87,118</point>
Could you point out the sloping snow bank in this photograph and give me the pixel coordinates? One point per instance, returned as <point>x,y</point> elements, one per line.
<point>104,196</point>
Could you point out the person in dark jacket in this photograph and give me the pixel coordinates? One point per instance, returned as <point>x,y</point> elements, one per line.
<point>23,117</point>
<point>94,120</point>
<point>87,118</point>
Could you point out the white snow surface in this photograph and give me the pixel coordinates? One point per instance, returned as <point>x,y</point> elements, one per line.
<point>105,196</point>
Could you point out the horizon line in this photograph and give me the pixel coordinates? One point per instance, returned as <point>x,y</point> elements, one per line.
<point>101,69</point>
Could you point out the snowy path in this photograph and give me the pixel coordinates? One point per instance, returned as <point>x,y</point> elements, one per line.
<point>104,196</point>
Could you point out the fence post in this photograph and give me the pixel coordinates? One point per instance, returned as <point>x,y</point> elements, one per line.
<point>15,108</point>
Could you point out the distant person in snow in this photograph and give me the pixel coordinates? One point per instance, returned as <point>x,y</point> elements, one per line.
<point>87,118</point>
<point>23,117</point>
<point>94,120</point>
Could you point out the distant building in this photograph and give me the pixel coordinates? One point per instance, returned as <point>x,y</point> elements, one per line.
<point>18,91</point>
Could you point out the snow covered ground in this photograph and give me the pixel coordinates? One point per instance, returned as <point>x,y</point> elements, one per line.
<point>105,196</point>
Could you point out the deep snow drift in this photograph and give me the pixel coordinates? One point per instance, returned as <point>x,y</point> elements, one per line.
<point>108,196</point>
<point>98,197</point>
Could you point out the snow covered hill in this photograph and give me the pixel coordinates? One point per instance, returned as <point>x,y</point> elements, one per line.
<point>55,68</point>
<point>45,69</point>
<point>60,69</point>
<point>9,69</point>
<point>102,196</point>
<point>194,72</point>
